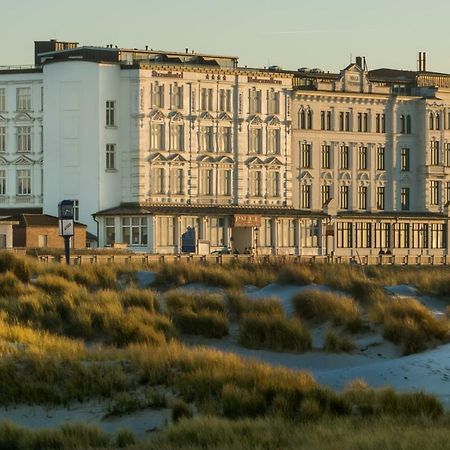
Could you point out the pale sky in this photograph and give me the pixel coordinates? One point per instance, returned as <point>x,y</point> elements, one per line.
<point>288,33</point>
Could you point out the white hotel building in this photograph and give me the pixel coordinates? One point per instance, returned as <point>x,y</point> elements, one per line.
<point>157,148</point>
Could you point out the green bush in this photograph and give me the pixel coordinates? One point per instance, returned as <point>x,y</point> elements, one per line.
<point>273,332</point>
<point>238,402</point>
<point>143,298</point>
<point>125,438</point>
<point>206,323</point>
<point>299,274</point>
<point>180,410</point>
<point>319,307</point>
<point>194,301</point>
<point>10,285</point>
<point>21,267</point>
<point>338,343</point>
<point>238,305</point>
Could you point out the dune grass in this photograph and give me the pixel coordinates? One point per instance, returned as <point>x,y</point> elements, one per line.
<point>198,313</point>
<point>320,307</point>
<point>273,332</point>
<point>330,434</point>
<point>338,342</point>
<point>239,304</point>
<point>408,323</point>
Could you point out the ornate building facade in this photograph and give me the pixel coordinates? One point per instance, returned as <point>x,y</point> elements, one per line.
<point>169,152</point>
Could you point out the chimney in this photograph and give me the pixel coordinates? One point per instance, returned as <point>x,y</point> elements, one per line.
<point>359,62</point>
<point>424,62</point>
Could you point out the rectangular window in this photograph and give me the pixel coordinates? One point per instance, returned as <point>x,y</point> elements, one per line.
<point>76,209</point>
<point>325,192</point>
<point>2,139</point>
<point>362,158</point>
<point>347,121</point>
<point>110,156</point>
<point>326,156</point>
<point>177,137</point>
<point>178,182</point>
<point>447,154</point>
<point>207,139</point>
<point>166,235</point>
<point>274,144</point>
<point>341,121</point>
<point>329,121</point>
<point>404,198</point>
<point>207,99</point>
<point>305,156</point>
<point>134,230</point>
<point>343,197</point>
<point>157,136</point>
<point>383,235</point>
<point>110,231</point>
<point>437,235</point>
<point>273,106</point>
<point>380,123</point>
<point>255,101</point>
<point>157,95</point>
<point>215,231</point>
<point>360,122</point>
<point>2,99</point>
<point>362,197</point>
<point>24,139</point>
<point>401,235</point>
<point>23,99</point>
<point>306,196</point>
<point>365,122</point>
<point>225,100</point>
<point>447,191</point>
<point>404,160</point>
<point>419,235</point>
<point>363,234</point>
<point>309,230</point>
<point>159,180</point>
<point>344,235</point>
<point>265,238</point>
<point>256,183</point>
<point>110,113</point>
<point>177,97</point>
<point>274,184</point>
<point>434,192</point>
<point>434,153</point>
<point>208,182</point>
<point>322,120</point>
<point>286,233</point>
<point>23,178</point>
<point>381,197</point>
<point>2,182</point>
<point>344,157</point>
<point>255,140</point>
<point>42,240</point>
<point>381,158</point>
<point>225,182</point>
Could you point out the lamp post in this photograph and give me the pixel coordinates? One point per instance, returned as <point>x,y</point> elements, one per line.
<point>66,225</point>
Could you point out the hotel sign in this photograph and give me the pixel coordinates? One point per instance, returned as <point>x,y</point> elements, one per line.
<point>263,80</point>
<point>246,220</point>
<point>168,74</point>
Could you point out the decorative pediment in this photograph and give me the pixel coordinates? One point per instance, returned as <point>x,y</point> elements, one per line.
<point>224,116</point>
<point>273,161</point>
<point>327,176</point>
<point>255,120</point>
<point>406,180</point>
<point>273,121</point>
<point>176,116</point>
<point>206,116</point>
<point>363,177</point>
<point>176,158</point>
<point>157,157</point>
<point>381,177</point>
<point>224,160</point>
<point>254,161</point>
<point>345,176</point>
<point>3,118</point>
<point>23,160</point>
<point>3,161</point>
<point>306,176</point>
<point>22,116</point>
<point>205,159</point>
<point>157,115</point>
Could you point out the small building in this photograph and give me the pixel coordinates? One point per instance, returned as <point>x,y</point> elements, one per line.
<point>6,233</point>
<point>41,231</point>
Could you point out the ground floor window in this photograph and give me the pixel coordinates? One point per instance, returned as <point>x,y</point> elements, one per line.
<point>419,235</point>
<point>383,235</point>
<point>110,231</point>
<point>401,235</point>
<point>344,235</point>
<point>310,233</point>
<point>437,235</point>
<point>165,231</point>
<point>286,233</point>
<point>265,238</point>
<point>216,231</point>
<point>363,234</point>
<point>134,230</point>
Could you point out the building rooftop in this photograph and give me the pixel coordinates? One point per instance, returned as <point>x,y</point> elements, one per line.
<point>36,220</point>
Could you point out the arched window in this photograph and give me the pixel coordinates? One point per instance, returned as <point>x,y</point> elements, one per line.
<point>302,119</point>
<point>438,121</point>
<point>408,124</point>
<point>309,119</point>
<point>431,121</point>
<point>402,124</point>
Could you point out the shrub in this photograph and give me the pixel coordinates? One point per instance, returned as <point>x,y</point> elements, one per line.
<point>10,285</point>
<point>139,297</point>
<point>299,274</point>
<point>180,410</point>
<point>238,402</point>
<point>273,332</point>
<point>96,276</point>
<point>320,307</point>
<point>206,323</point>
<point>195,302</point>
<point>57,286</point>
<point>335,343</point>
<point>125,438</point>
<point>21,267</point>
<point>238,305</point>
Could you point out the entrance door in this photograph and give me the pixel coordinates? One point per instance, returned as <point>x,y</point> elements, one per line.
<point>242,239</point>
